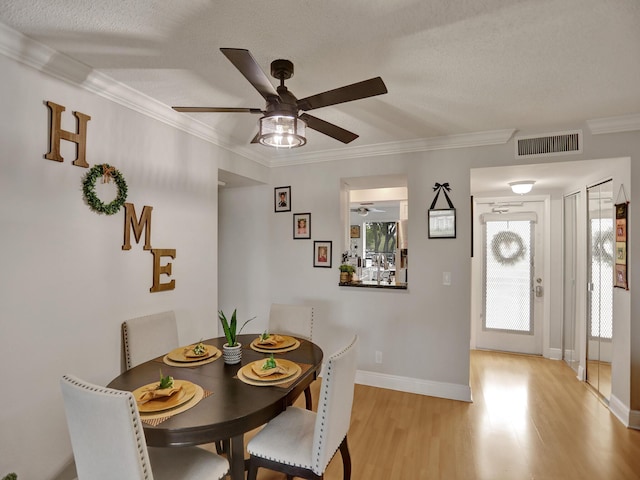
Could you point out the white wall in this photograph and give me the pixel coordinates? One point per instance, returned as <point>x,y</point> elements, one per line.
<point>423,333</point>
<point>66,284</point>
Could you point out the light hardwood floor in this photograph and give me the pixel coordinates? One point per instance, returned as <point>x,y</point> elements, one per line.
<point>530,419</point>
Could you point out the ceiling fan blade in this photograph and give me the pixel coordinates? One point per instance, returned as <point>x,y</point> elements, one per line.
<point>340,134</point>
<point>348,93</point>
<point>244,61</point>
<point>216,109</point>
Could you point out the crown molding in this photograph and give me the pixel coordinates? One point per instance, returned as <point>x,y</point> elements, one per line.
<point>465,140</point>
<point>624,123</point>
<point>41,57</point>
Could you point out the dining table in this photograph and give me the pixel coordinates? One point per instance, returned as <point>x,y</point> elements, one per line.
<point>230,406</point>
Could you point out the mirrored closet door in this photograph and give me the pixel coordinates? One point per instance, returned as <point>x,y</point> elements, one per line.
<point>601,243</point>
<point>571,331</point>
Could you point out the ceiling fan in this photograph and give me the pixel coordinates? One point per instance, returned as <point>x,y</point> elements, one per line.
<point>364,211</point>
<point>282,124</point>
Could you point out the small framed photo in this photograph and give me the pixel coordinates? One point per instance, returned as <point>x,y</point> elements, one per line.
<point>621,253</point>
<point>354,231</point>
<point>621,229</point>
<point>442,223</point>
<point>322,254</point>
<point>620,280</point>
<point>301,226</point>
<point>282,200</point>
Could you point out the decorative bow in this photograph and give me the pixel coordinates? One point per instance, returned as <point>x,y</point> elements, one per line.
<point>441,187</point>
<point>107,173</point>
<point>438,186</point>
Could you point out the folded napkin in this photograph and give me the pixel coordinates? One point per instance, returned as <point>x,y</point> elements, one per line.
<point>258,370</point>
<point>190,353</point>
<point>270,340</point>
<point>153,393</point>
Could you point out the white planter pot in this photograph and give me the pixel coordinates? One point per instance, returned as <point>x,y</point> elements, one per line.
<point>232,355</point>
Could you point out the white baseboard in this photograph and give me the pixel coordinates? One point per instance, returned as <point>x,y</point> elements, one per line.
<point>630,418</point>
<point>634,419</point>
<point>619,409</point>
<point>451,391</point>
<point>555,354</point>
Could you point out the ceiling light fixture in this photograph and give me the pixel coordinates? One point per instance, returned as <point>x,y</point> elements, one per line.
<point>522,187</point>
<point>282,131</point>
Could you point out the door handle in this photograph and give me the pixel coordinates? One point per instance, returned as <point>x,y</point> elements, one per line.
<point>539,290</point>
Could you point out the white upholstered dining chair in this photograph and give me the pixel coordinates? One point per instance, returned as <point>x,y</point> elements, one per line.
<point>300,442</point>
<point>296,320</point>
<point>108,440</point>
<point>148,337</point>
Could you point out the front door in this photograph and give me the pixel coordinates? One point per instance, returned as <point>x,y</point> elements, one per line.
<point>513,290</point>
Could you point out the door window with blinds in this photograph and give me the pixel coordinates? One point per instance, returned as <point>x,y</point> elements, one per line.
<point>508,270</point>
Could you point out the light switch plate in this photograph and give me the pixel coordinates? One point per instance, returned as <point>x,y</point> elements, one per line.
<point>446,278</point>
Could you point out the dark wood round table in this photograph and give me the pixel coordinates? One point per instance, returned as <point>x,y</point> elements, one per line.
<point>234,407</point>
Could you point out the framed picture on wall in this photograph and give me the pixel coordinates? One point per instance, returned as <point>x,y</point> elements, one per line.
<point>620,276</point>
<point>354,231</point>
<point>301,226</point>
<point>282,200</point>
<point>442,223</point>
<point>322,253</point>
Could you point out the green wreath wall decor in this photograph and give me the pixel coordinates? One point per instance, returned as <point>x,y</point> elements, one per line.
<point>506,239</point>
<point>107,172</point>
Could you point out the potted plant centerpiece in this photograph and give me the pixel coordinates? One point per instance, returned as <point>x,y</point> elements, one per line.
<point>231,351</point>
<point>346,273</point>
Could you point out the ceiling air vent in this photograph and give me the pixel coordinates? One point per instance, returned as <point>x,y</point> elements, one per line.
<point>548,145</point>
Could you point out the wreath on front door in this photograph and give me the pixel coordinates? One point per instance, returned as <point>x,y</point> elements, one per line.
<point>602,248</point>
<point>107,172</point>
<point>508,247</point>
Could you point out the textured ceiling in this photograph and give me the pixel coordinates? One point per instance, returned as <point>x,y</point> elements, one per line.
<point>451,67</point>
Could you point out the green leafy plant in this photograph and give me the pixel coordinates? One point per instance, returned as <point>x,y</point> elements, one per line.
<point>230,327</point>
<point>11,476</point>
<point>345,267</point>
<point>199,348</point>
<point>269,363</point>
<point>165,382</point>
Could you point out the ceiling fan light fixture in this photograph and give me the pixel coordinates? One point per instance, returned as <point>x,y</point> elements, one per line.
<point>522,187</point>
<point>282,131</point>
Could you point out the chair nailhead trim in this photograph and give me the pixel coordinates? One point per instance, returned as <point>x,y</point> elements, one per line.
<point>324,405</point>
<point>125,338</point>
<point>141,443</point>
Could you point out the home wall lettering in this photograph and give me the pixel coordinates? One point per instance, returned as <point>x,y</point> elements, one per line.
<point>131,222</point>
<point>57,134</point>
<point>107,173</point>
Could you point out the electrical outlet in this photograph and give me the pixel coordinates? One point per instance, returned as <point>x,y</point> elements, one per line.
<point>378,356</point>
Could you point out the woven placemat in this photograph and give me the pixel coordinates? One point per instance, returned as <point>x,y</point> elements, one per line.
<point>286,383</point>
<point>156,419</point>
<point>254,346</point>
<point>213,358</point>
